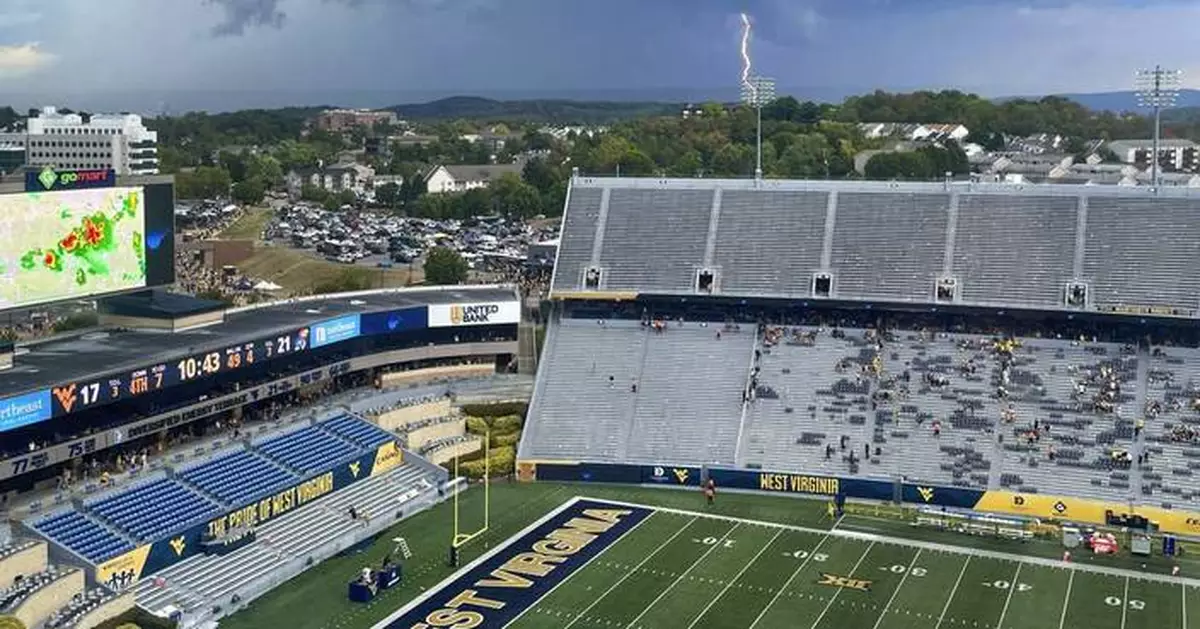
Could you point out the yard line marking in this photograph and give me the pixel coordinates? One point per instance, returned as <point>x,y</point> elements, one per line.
<point>914,543</point>
<point>835,594</point>
<point>1183,595</point>
<point>1062,621</point>
<point>953,590</point>
<point>1125,603</point>
<point>793,577</point>
<point>631,572</point>
<point>680,577</point>
<point>908,571</point>
<point>1012,587</point>
<point>735,578</point>
<point>585,564</point>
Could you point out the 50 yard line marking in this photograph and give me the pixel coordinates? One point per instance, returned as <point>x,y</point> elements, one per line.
<point>681,577</point>
<point>1012,587</point>
<point>630,573</point>
<point>908,571</point>
<point>735,578</point>
<point>785,585</point>
<point>1125,603</point>
<point>839,591</point>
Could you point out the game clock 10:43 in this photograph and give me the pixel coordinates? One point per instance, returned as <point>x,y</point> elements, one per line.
<point>75,397</point>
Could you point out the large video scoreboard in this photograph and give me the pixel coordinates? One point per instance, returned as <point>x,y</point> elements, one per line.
<point>73,397</point>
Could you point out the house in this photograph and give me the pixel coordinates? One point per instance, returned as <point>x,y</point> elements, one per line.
<point>334,178</point>
<point>913,131</point>
<point>463,178</point>
<point>1174,155</point>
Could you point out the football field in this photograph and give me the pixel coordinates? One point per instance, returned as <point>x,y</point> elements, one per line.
<point>670,568</point>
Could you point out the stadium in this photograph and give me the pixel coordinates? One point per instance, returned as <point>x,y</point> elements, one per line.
<point>757,404</point>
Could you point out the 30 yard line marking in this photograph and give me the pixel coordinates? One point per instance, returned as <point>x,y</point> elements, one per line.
<point>735,578</point>
<point>1062,621</point>
<point>908,571</point>
<point>795,572</point>
<point>1012,587</point>
<point>1125,603</point>
<point>953,590</point>
<point>835,594</point>
<point>681,576</point>
<point>631,572</point>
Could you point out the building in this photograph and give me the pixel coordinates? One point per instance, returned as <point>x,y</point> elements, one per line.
<point>12,157</point>
<point>339,120</point>
<point>1174,155</point>
<point>117,141</point>
<point>334,178</point>
<point>913,131</point>
<point>463,178</point>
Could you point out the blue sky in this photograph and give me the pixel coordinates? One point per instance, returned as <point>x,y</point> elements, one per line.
<point>496,47</point>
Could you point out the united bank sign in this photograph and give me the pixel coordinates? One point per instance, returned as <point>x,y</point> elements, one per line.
<point>454,315</point>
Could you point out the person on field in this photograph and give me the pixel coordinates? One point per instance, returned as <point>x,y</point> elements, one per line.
<point>710,491</point>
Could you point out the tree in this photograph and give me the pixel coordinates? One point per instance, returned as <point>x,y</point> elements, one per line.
<point>250,191</point>
<point>388,194</point>
<point>445,266</point>
<point>203,183</point>
<point>909,165</point>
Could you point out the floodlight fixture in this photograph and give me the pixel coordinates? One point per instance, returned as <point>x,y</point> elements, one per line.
<point>1157,89</point>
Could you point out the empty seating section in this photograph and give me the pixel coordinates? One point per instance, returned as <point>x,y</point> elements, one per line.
<point>654,239</point>
<point>1172,438</point>
<point>207,579</point>
<point>582,398</point>
<point>154,509</point>
<point>237,477</point>
<point>80,533</point>
<point>889,246</point>
<point>578,235</point>
<point>769,243</point>
<point>1015,249</point>
<point>362,433</point>
<point>688,403</point>
<point>1064,386</point>
<point>1143,252</point>
<point>307,450</point>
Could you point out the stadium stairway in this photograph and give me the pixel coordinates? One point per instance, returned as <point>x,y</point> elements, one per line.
<point>206,581</point>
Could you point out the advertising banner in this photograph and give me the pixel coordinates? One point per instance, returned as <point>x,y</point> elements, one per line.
<point>454,315</point>
<point>334,331</point>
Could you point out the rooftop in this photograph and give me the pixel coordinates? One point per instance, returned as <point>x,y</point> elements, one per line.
<point>47,363</point>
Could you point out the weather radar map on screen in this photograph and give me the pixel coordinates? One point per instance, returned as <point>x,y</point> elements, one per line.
<point>70,244</point>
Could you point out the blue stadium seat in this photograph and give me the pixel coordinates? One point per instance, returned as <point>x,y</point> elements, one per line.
<point>238,477</point>
<point>83,535</point>
<point>155,509</point>
<point>308,450</point>
<point>361,432</point>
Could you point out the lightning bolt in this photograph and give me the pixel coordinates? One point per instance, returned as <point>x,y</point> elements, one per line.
<point>746,65</point>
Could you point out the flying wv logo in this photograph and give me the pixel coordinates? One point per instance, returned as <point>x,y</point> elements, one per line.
<point>179,544</point>
<point>926,493</point>
<point>681,475</point>
<point>355,468</point>
<point>66,397</point>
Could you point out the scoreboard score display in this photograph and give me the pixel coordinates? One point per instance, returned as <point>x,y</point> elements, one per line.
<point>76,396</point>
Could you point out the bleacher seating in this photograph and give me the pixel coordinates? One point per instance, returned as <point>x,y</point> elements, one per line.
<point>237,477</point>
<point>362,433</point>
<point>91,539</point>
<point>80,606</point>
<point>1003,244</point>
<point>307,450</point>
<point>154,509</point>
<point>205,580</point>
<point>13,595</point>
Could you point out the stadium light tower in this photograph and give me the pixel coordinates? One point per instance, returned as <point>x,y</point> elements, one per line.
<point>758,91</point>
<point>1157,89</point>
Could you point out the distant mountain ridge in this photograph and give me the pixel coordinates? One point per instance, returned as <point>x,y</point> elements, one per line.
<point>1128,100</point>
<point>559,110</point>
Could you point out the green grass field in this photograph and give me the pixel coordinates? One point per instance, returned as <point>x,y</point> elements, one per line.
<point>757,561</point>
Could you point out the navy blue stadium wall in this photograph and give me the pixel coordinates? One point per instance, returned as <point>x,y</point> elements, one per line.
<point>757,480</point>
<point>126,569</point>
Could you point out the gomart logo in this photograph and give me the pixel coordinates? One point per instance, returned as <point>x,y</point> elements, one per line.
<point>49,178</point>
<point>481,313</point>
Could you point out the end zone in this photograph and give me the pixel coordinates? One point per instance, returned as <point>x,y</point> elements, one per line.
<point>498,586</point>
